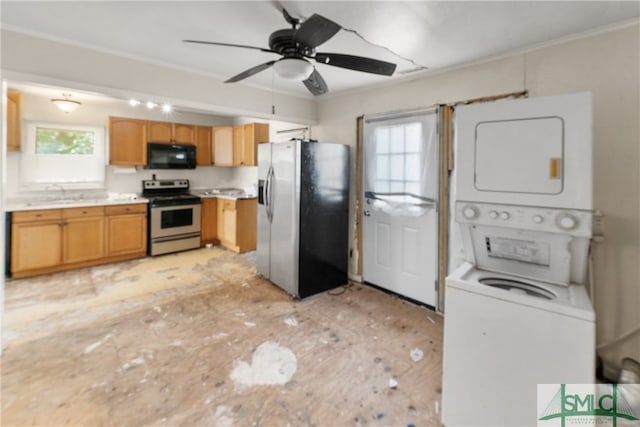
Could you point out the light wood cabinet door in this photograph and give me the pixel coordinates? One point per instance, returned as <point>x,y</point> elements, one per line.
<point>204,141</point>
<point>237,224</point>
<point>126,234</point>
<point>35,245</point>
<point>209,221</point>
<point>238,145</point>
<point>127,141</point>
<point>184,134</point>
<point>222,145</point>
<point>14,102</point>
<point>83,239</point>
<point>160,132</point>
<point>254,134</point>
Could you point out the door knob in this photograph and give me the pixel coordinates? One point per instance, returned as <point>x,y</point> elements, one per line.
<point>367,212</point>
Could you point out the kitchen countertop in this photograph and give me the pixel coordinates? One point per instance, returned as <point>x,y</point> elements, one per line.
<point>223,193</point>
<point>31,205</point>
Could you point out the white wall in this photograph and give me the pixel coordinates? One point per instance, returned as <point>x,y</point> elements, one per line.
<point>96,113</point>
<point>606,64</point>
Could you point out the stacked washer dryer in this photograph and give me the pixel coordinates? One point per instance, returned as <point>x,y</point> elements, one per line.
<point>517,312</point>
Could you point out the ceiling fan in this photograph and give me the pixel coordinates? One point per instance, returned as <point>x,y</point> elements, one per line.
<point>297,45</point>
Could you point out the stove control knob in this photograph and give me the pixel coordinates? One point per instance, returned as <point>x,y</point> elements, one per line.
<point>538,219</point>
<point>493,214</point>
<point>567,222</point>
<point>470,212</point>
<point>504,215</point>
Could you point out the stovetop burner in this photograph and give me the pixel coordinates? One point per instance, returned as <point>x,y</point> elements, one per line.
<point>168,192</point>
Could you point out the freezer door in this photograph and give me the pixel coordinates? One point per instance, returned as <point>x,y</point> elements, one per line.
<point>285,204</point>
<point>264,225</point>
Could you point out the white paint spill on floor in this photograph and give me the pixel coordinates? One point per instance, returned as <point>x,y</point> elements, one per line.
<point>88,349</point>
<point>416,354</point>
<point>291,321</point>
<point>271,364</point>
<point>249,324</point>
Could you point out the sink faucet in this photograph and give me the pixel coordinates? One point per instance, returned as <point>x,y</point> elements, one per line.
<point>54,186</point>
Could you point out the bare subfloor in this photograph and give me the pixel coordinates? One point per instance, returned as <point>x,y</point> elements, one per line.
<point>197,338</point>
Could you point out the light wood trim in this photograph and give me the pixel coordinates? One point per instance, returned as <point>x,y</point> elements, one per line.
<point>40,215</point>
<point>126,209</point>
<point>520,94</point>
<point>445,127</point>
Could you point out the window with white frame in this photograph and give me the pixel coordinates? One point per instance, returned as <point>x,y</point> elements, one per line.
<point>70,155</point>
<point>397,159</point>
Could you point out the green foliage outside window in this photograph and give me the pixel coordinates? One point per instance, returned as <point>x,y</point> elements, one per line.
<point>60,141</point>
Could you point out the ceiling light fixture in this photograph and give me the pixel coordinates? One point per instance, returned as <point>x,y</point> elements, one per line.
<point>65,104</point>
<point>151,105</point>
<point>134,102</point>
<point>166,108</point>
<point>296,69</point>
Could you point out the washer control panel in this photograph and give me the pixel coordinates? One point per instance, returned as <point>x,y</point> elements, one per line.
<point>573,222</point>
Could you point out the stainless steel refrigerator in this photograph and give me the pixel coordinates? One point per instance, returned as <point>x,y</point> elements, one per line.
<point>303,208</point>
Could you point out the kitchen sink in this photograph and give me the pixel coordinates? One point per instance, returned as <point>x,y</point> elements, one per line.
<point>224,192</point>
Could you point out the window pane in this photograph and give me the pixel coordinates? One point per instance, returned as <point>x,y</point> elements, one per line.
<point>412,167</point>
<point>382,186</point>
<point>397,167</point>
<point>397,186</point>
<point>413,137</point>
<point>382,167</point>
<point>412,187</point>
<point>397,139</point>
<point>60,141</point>
<point>382,140</point>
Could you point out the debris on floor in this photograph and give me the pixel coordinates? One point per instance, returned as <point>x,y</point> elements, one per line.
<point>416,354</point>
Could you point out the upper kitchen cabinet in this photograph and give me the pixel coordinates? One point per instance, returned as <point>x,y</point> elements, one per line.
<point>245,141</point>
<point>127,141</point>
<point>204,148</point>
<point>222,139</point>
<point>14,100</point>
<point>171,133</point>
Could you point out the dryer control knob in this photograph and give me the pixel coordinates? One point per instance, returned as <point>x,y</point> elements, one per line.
<point>504,215</point>
<point>470,212</point>
<point>493,214</point>
<point>538,219</point>
<point>567,222</point>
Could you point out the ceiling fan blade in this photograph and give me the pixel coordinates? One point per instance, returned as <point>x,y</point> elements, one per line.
<point>250,72</point>
<point>316,84</point>
<point>315,31</point>
<point>358,63</point>
<point>231,45</point>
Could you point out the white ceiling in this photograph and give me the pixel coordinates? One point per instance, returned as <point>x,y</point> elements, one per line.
<point>432,34</point>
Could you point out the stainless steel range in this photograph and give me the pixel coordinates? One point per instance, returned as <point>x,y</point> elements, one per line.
<point>174,216</point>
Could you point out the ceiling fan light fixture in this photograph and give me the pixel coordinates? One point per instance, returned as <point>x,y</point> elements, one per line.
<point>65,104</point>
<point>293,69</point>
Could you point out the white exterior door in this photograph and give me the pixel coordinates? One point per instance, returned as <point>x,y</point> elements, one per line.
<point>400,217</point>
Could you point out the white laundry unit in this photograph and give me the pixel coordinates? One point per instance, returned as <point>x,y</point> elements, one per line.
<point>517,313</point>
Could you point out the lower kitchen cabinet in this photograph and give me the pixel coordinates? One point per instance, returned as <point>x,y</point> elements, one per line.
<point>36,240</point>
<point>126,230</point>
<point>82,234</point>
<point>46,241</point>
<point>237,224</point>
<point>209,221</point>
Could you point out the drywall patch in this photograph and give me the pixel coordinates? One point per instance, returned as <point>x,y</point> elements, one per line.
<point>271,364</point>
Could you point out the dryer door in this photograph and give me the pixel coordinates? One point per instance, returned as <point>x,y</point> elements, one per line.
<point>520,156</point>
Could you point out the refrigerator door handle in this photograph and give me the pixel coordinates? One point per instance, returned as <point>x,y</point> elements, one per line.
<point>267,195</point>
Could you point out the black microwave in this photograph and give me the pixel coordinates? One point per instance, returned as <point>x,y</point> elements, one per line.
<point>171,156</point>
